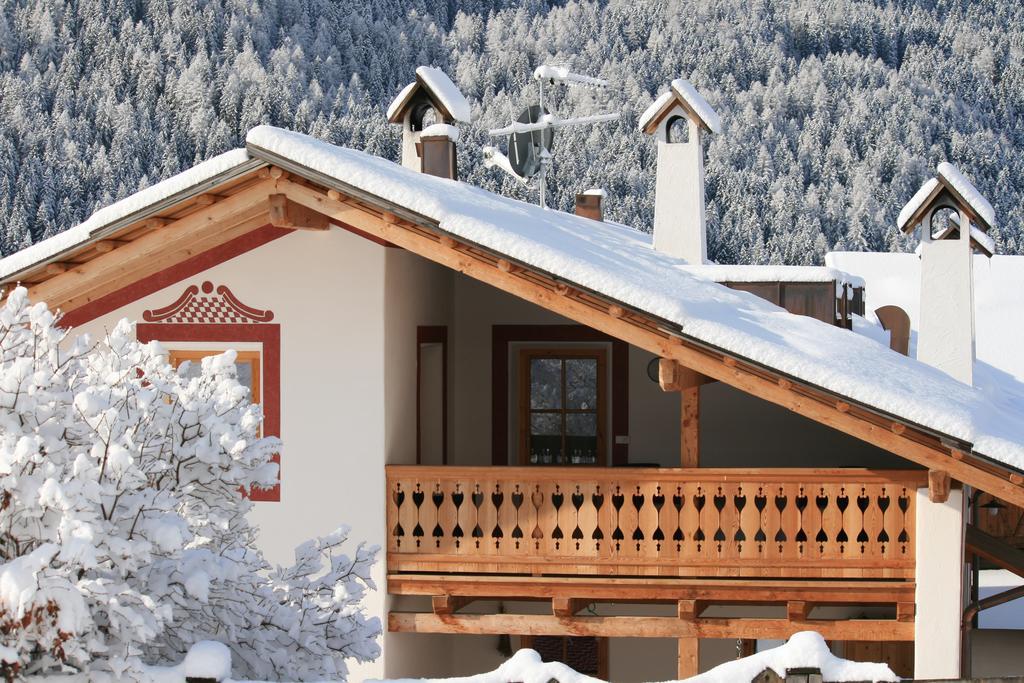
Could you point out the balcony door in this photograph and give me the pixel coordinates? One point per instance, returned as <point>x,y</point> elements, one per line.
<point>562,406</point>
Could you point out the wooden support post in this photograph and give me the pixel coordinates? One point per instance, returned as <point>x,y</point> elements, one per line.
<point>449,604</point>
<point>674,377</point>
<point>690,428</point>
<point>798,610</point>
<point>690,609</point>
<point>905,611</point>
<point>567,607</point>
<point>688,664</point>
<point>938,486</point>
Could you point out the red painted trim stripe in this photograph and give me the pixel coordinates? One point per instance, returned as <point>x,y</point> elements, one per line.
<point>176,273</point>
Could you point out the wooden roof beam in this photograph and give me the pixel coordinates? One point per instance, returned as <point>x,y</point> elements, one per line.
<point>285,213</point>
<point>109,267</point>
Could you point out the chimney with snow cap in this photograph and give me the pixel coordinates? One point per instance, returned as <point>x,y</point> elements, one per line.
<point>941,208</point>
<point>678,120</point>
<point>422,107</point>
<point>589,204</point>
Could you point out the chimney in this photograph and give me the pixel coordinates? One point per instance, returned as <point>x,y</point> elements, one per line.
<point>589,204</point>
<point>679,119</point>
<point>945,336</point>
<point>422,107</point>
<point>436,150</point>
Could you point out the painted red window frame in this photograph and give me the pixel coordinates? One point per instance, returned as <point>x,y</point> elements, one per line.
<point>266,334</point>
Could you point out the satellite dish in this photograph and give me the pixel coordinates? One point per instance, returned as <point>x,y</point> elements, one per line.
<point>526,149</point>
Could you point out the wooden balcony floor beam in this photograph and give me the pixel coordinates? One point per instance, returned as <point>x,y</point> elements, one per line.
<point>647,627</point>
<point>657,590</point>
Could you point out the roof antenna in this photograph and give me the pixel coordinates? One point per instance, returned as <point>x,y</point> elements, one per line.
<point>531,136</point>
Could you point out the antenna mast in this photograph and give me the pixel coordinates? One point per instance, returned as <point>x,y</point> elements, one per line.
<point>531,135</point>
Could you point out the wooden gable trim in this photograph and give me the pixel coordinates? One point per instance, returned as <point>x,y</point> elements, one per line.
<point>945,187</point>
<point>175,273</point>
<point>926,206</point>
<point>964,204</point>
<point>656,120</point>
<point>639,329</point>
<point>421,90</point>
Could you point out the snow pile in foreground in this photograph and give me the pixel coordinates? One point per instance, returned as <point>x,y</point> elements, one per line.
<point>524,666</point>
<point>804,649</point>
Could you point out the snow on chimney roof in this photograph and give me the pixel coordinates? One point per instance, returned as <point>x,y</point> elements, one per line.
<point>681,90</point>
<point>441,91</point>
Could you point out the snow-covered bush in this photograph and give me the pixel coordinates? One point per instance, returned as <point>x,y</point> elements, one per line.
<point>123,529</point>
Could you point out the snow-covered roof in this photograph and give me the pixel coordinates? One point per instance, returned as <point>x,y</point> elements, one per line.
<point>186,182</point>
<point>966,189</point>
<point>400,99</point>
<point>915,203</point>
<point>619,264</point>
<point>694,101</point>
<point>952,178</point>
<point>440,87</point>
<point>806,649</point>
<point>447,93</point>
<point>756,273</point>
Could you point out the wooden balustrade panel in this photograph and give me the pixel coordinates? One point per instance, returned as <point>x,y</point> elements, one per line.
<point>642,522</point>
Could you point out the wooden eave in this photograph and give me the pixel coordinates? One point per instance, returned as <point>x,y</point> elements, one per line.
<point>964,204</point>
<point>421,89</point>
<point>941,188</point>
<point>245,205</point>
<point>656,120</point>
<point>118,233</point>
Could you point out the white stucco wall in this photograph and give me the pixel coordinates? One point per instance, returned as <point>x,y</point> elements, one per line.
<point>939,578</point>
<point>327,293</point>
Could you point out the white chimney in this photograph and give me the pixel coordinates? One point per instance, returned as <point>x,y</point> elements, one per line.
<point>679,119</point>
<point>429,100</point>
<point>943,205</point>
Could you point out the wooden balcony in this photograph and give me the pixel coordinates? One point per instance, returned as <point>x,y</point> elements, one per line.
<point>640,522</point>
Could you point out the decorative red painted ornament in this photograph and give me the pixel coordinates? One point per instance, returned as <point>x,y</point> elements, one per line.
<point>207,308</point>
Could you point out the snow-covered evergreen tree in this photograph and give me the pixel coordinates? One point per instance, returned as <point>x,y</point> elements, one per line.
<point>123,529</point>
<point>99,97</point>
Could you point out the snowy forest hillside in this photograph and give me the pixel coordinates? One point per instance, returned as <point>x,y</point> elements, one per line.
<point>834,113</point>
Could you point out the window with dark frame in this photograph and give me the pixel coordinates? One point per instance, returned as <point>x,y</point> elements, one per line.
<point>562,406</point>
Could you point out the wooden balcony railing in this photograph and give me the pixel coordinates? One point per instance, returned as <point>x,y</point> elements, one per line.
<point>786,523</point>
